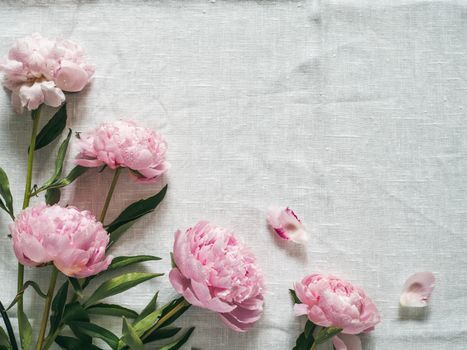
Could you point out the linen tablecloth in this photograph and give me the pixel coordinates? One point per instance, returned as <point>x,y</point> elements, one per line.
<point>351,112</point>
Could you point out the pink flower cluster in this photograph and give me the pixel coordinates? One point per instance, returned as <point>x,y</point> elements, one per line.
<point>74,241</point>
<point>38,70</point>
<point>217,272</point>
<point>124,144</point>
<point>331,302</point>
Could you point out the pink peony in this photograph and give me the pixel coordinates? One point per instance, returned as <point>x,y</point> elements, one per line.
<point>287,225</point>
<point>217,272</point>
<point>124,144</point>
<point>39,69</point>
<point>74,241</point>
<point>332,302</point>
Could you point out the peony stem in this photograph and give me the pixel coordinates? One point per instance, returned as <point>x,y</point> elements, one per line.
<point>35,115</point>
<point>9,328</point>
<point>48,302</point>
<point>165,318</point>
<point>109,194</point>
<point>313,346</point>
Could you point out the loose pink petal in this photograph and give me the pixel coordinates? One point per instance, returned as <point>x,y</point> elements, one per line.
<point>287,225</point>
<point>347,342</point>
<point>417,289</point>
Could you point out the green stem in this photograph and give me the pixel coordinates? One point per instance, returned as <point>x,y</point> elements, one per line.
<point>48,303</point>
<point>36,115</point>
<point>109,194</point>
<point>9,328</point>
<point>165,318</point>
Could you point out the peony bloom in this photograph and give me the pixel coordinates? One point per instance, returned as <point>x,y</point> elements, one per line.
<point>38,70</point>
<point>124,144</point>
<point>332,302</point>
<point>217,272</point>
<point>74,241</point>
<point>417,290</point>
<point>287,225</point>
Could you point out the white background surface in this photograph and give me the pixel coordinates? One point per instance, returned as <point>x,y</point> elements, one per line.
<point>351,112</point>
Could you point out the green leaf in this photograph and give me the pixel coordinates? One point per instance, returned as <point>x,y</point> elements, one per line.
<point>58,307</point>
<point>111,310</point>
<point>123,261</point>
<point>95,331</point>
<point>21,292</point>
<point>294,297</point>
<point>118,285</point>
<point>180,305</point>
<point>135,211</point>
<point>5,193</point>
<point>58,162</point>
<point>69,343</point>
<point>146,323</point>
<point>161,334</point>
<point>177,344</point>
<point>76,172</point>
<point>52,129</point>
<point>150,323</point>
<point>130,337</point>
<point>149,308</point>
<point>119,232</point>
<point>26,335</point>
<point>327,333</point>
<point>4,341</point>
<point>74,312</point>
<point>172,261</point>
<point>76,286</point>
<point>305,340</point>
<point>52,196</point>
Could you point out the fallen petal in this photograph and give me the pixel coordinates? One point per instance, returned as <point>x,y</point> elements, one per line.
<point>287,225</point>
<point>417,289</point>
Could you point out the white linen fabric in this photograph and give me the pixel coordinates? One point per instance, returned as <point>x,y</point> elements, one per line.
<point>352,112</point>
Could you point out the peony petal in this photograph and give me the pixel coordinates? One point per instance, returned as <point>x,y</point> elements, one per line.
<point>31,96</point>
<point>53,96</point>
<point>346,342</point>
<point>234,324</point>
<point>71,77</point>
<point>177,280</point>
<point>300,309</point>
<point>417,289</point>
<point>287,225</point>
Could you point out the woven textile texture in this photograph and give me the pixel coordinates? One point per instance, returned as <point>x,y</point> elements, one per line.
<point>352,112</point>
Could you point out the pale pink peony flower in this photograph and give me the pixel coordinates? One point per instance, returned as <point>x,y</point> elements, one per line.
<point>74,241</point>
<point>38,70</point>
<point>287,225</point>
<point>332,302</point>
<point>417,289</point>
<point>217,272</point>
<point>124,144</point>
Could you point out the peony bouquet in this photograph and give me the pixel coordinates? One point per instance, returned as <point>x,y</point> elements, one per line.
<point>211,268</point>
<point>73,244</point>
